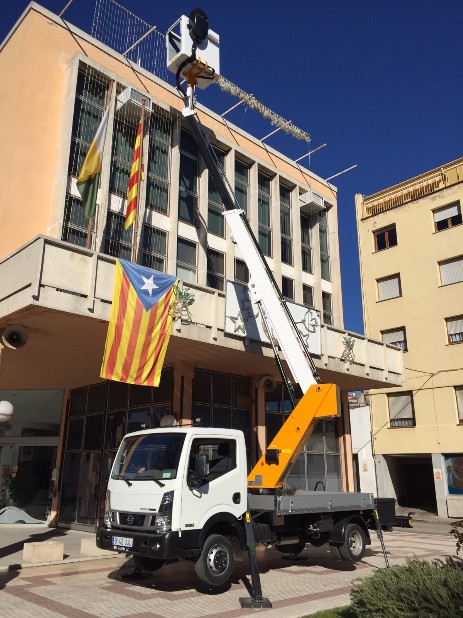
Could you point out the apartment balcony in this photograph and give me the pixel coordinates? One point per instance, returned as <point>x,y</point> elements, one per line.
<point>61,294</point>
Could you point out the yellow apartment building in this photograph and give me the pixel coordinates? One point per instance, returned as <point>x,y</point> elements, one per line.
<point>411,259</point>
<point>56,281</point>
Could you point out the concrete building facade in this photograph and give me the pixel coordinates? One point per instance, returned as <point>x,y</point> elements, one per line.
<point>411,257</point>
<point>56,282</point>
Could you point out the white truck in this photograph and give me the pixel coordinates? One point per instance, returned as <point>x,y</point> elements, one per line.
<point>185,492</point>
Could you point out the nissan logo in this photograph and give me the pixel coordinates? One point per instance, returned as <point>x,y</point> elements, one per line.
<point>130,520</point>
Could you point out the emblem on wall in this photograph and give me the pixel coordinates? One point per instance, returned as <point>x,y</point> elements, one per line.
<point>242,318</point>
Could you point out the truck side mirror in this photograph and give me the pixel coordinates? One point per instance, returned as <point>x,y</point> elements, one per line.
<point>202,465</point>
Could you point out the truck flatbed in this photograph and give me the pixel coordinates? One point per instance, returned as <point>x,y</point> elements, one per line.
<point>310,502</point>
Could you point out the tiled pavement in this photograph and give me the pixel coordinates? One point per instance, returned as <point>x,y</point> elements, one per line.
<point>295,587</point>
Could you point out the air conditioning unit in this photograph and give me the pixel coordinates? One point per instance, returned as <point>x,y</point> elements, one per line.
<point>311,202</point>
<point>130,101</point>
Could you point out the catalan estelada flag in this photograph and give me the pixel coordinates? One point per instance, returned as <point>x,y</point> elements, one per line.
<point>140,324</point>
<point>134,182</point>
<point>87,183</point>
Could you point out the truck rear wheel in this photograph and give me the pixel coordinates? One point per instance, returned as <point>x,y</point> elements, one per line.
<point>353,548</point>
<point>214,566</point>
<point>147,564</point>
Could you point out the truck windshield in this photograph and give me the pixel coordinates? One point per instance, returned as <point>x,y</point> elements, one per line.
<point>148,457</point>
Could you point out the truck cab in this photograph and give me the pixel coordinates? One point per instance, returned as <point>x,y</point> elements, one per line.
<point>170,488</point>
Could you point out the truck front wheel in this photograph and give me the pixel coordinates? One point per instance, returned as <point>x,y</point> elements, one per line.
<point>353,548</point>
<point>214,566</point>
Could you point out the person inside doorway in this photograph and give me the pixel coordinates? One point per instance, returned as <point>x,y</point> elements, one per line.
<point>455,478</point>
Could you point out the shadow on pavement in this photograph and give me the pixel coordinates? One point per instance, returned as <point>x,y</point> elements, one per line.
<point>13,548</point>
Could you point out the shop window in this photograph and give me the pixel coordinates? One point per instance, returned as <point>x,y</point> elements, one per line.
<point>451,271</point>
<point>386,238</point>
<point>75,434</point>
<point>222,400</point>
<point>93,432</point>
<point>455,329</point>
<point>396,337</point>
<point>118,393</point>
<point>401,410</point>
<point>447,217</point>
<point>78,402</point>
<point>96,398</point>
<point>389,287</point>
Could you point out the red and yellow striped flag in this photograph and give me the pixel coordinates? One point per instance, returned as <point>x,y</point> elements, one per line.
<point>140,324</point>
<point>134,182</point>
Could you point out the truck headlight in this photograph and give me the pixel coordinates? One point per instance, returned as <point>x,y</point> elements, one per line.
<point>164,516</point>
<point>108,514</point>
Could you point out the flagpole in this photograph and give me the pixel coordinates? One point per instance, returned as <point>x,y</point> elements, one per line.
<point>140,176</point>
<point>92,219</point>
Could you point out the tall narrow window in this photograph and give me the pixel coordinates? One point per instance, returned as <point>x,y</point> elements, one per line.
<point>389,287</point>
<point>188,181</point>
<point>459,400</point>
<point>117,240</point>
<point>386,238</point>
<point>455,329</point>
<point>306,250</point>
<point>264,220</point>
<point>307,295</point>
<point>157,185</point>
<point>242,184</point>
<point>88,112</point>
<point>327,308</point>
<point>401,410</point>
<point>154,248</point>
<point>75,226</point>
<point>285,225</point>
<point>396,337</point>
<point>287,288</point>
<point>324,245</point>
<point>215,269</point>
<point>124,135</point>
<point>451,271</point>
<point>241,271</point>
<point>447,217</point>
<point>186,260</point>
<point>215,218</point>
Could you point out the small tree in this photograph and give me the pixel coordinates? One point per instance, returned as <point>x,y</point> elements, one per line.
<point>457,531</point>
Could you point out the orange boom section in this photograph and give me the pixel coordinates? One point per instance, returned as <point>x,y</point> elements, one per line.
<point>320,401</point>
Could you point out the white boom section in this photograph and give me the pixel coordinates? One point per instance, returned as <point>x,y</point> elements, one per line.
<point>262,290</point>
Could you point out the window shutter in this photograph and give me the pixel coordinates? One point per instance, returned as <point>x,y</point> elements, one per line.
<point>452,271</point>
<point>446,213</point>
<point>394,336</point>
<point>400,406</point>
<point>459,398</point>
<point>455,326</point>
<point>389,288</point>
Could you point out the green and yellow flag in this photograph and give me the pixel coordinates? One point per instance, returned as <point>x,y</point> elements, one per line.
<point>89,177</point>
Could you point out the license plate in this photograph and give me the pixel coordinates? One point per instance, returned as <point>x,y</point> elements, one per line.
<point>122,541</point>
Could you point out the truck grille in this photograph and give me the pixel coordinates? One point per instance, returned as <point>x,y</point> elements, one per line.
<point>131,519</point>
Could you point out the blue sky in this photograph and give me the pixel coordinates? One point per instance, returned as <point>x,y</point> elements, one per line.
<point>379,82</point>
